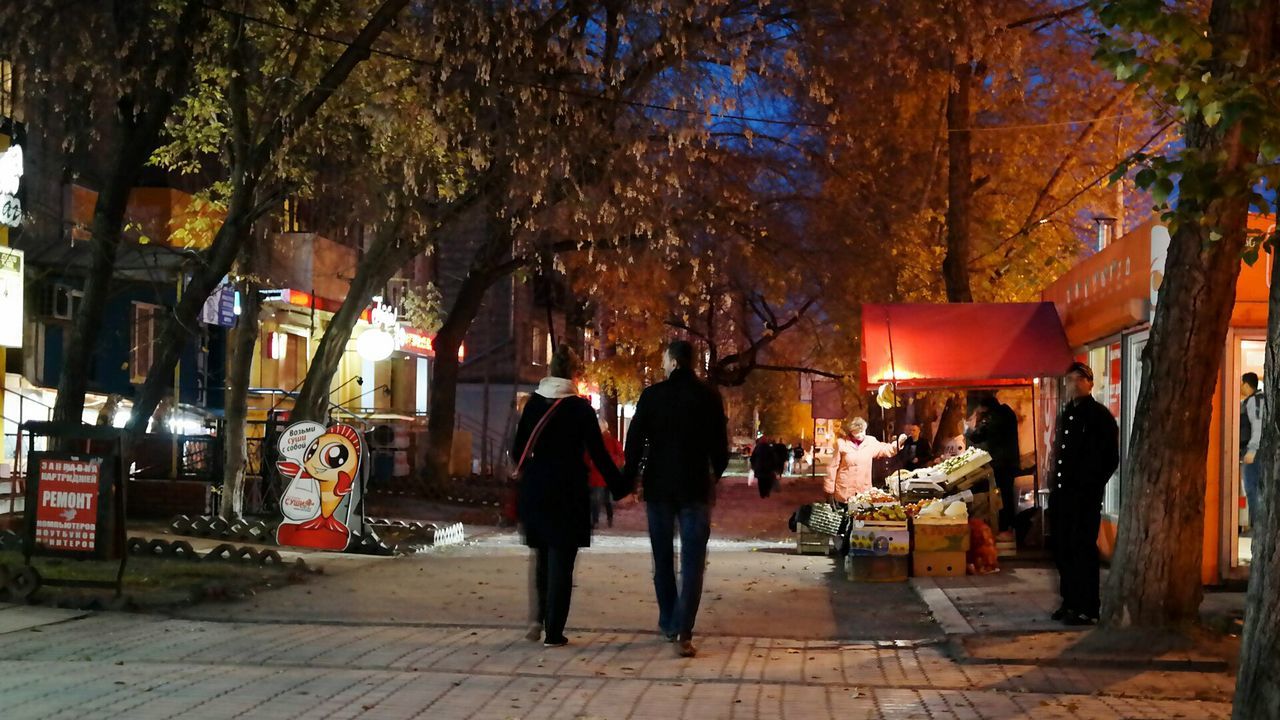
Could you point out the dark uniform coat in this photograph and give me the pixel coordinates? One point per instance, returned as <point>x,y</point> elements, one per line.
<point>1085,453</point>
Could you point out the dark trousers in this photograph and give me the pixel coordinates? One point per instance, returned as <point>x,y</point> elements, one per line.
<point>600,499</point>
<point>1074,524</point>
<point>678,606</point>
<point>552,588</point>
<point>1251,476</point>
<point>1008,497</point>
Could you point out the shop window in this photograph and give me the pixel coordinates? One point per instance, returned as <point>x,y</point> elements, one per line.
<point>1105,360</point>
<point>10,92</point>
<point>143,336</point>
<point>66,301</point>
<point>422,379</point>
<point>541,350</point>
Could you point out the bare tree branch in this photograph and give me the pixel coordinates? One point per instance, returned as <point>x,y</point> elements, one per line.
<point>1060,14</point>
<point>799,369</point>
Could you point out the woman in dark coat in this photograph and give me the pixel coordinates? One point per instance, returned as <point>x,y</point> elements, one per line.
<point>554,497</point>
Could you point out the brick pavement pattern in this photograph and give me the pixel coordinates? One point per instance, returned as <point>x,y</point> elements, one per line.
<point>131,666</point>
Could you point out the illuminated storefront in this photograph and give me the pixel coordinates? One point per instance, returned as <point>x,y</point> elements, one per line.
<point>1107,302</point>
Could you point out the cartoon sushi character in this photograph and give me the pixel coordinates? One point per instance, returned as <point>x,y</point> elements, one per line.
<point>333,462</point>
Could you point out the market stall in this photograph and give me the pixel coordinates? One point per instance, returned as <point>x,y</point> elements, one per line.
<point>921,522</point>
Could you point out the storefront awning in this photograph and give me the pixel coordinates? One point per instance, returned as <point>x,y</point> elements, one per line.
<point>962,344</point>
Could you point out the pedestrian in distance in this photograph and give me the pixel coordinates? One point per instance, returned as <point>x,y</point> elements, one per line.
<point>781,454</point>
<point>797,459</point>
<point>1252,412</point>
<point>557,431</point>
<point>764,467</point>
<point>678,446</point>
<point>600,496</point>
<point>1085,453</point>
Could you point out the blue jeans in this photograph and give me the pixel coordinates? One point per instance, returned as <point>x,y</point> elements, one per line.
<point>678,608</point>
<point>1251,474</point>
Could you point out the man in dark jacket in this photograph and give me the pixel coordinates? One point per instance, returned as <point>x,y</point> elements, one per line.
<point>916,453</point>
<point>996,431</point>
<point>680,436</point>
<point>764,465</point>
<point>1086,451</point>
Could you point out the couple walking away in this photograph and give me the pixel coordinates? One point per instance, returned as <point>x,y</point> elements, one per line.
<point>677,448</point>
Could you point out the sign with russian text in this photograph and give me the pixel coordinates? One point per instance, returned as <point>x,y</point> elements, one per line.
<point>322,467</point>
<point>68,504</point>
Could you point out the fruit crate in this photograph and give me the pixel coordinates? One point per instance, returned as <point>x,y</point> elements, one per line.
<point>970,478</point>
<point>809,542</point>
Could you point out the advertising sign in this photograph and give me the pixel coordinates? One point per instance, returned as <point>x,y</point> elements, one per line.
<point>220,308</point>
<point>322,467</point>
<point>10,180</point>
<point>68,495</point>
<point>11,288</point>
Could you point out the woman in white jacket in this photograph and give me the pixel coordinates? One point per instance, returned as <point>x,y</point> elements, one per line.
<point>849,470</point>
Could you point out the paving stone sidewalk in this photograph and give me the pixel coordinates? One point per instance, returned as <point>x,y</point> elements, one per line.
<point>114,665</point>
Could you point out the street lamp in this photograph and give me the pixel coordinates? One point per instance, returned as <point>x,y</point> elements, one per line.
<point>375,344</point>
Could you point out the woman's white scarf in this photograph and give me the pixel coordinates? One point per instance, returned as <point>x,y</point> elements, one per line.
<point>555,388</point>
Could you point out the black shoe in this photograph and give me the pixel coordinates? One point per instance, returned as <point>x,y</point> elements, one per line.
<point>670,637</point>
<point>1079,620</point>
<point>1060,614</point>
<point>556,642</point>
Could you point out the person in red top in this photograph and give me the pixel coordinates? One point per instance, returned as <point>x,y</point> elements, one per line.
<point>599,490</point>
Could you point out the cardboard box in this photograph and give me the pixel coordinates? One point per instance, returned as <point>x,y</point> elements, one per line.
<point>884,568</point>
<point>938,564</point>
<point>879,538</point>
<point>938,537</point>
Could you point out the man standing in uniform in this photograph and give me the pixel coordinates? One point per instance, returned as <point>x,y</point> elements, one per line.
<point>680,435</point>
<point>1086,451</point>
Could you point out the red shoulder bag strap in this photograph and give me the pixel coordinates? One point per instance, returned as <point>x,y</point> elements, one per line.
<point>537,430</point>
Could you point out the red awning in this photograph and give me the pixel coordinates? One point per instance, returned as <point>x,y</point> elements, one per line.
<point>962,344</point>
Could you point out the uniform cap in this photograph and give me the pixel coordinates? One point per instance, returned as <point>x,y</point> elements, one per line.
<point>1083,370</point>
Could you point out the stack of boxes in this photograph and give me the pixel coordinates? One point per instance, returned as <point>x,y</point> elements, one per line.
<point>879,551</point>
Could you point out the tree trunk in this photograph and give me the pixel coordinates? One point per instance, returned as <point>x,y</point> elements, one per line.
<point>955,266</point>
<point>244,342</point>
<point>1155,573</point>
<point>249,167</point>
<point>108,221</point>
<point>443,404</point>
<point>180,326</point>
<point>138,136</point>
<point>387,255</point>
<point>1258,682</point>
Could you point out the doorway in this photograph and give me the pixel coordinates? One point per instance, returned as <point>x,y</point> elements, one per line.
<point>1247,353</point>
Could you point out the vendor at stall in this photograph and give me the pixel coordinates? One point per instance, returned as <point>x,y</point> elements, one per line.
<point>916,453</point>
<point>849,470</point>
